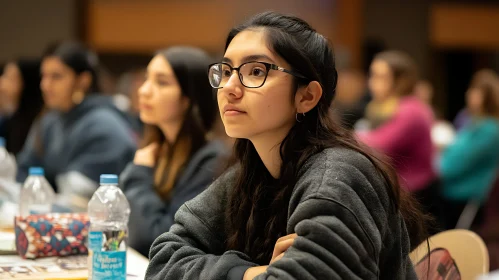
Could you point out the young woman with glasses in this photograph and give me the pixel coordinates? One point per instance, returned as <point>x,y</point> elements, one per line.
<point>303,200</point>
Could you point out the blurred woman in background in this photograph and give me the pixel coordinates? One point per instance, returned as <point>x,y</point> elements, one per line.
<point>176,161</point>
<point>401,124</point>
<point>469,166</point>
<point>350,101</point>
<point>21,101</point>
<point>83,135</point>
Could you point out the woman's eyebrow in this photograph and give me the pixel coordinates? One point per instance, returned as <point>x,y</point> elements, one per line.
<point>255,57</point>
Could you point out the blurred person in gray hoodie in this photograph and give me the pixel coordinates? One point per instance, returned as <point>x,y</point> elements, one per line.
<point>82,134</point>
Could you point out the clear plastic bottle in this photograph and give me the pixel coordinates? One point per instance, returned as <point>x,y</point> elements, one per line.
<point>108,211</point>
<point>37,196</point>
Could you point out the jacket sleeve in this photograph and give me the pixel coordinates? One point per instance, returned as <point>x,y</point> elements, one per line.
<point>28,157</point>
<point>391,137</point>
<point>105,147</point>
<point>148,210</point>
<point>331,244</point>
<point>194,248</point>
<point>341,223</point>
<point>469,149</point>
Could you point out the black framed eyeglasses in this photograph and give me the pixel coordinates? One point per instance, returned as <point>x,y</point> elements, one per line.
<point>252,74</point>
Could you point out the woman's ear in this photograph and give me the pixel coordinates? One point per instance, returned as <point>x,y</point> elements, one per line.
<point>307,97</point>
<point>84,81</point>
<point>185,102</point>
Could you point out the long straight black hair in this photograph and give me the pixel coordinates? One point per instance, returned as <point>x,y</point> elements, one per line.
<point>29,107</point>
<point>256,215</point>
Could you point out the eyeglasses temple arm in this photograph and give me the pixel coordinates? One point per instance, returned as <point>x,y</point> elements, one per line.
<point>275,67</point>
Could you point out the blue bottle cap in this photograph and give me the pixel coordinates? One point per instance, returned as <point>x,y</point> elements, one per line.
<point>37,171</point>
<point>109,179</point>
<point>2,142</point>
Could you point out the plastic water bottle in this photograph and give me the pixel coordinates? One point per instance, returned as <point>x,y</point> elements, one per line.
<point>37,196</point>
<point>108,211</point>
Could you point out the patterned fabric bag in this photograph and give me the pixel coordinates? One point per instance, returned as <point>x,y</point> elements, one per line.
<point>441,266</point>
<point>55,234</point>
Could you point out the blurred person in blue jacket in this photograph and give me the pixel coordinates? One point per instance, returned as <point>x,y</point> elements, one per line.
<point>83,134</point>
<point>469,166</point>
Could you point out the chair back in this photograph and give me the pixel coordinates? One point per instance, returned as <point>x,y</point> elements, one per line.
<point>465,247</point>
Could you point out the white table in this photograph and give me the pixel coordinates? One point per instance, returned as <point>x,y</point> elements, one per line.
<point>136,264</point>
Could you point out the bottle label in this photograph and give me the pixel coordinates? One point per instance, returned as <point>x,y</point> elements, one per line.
<point>107,252</point>
<point>109,265</point>
<point>95,240</point>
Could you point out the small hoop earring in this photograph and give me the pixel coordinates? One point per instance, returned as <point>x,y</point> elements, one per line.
<point>77,97</point>
<point>296,117</point>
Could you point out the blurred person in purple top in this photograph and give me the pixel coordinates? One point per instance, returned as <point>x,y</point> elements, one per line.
<point>401,123</point>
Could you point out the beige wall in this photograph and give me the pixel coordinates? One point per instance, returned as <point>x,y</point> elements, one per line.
<point>28,26</point>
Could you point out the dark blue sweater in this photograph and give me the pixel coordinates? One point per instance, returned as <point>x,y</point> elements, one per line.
<point>151,216</point>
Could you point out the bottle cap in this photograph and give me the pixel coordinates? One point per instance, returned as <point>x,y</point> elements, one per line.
<point>37,171</point>
<point>109,179</point>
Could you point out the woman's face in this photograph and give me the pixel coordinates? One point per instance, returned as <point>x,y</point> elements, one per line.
<point>11,86</point>
<point>380,80</point>
<point>252,112</point>
<point>137,81</point>
<point>474,101</point>
<point>424,91</point>
<point>58,84</point>
<point>160,96</point>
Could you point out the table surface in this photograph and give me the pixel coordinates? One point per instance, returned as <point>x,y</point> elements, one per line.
<point>136,263</point>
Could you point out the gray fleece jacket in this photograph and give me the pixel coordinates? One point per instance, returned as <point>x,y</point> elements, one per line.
<point>339,208</point>
<point>92,139</point>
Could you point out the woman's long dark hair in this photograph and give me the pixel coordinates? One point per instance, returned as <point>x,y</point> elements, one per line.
<point>29,107</point>
<point>257,210</point>
<point>79,58</point>
<point>487,82</point>
<point>189,65</point>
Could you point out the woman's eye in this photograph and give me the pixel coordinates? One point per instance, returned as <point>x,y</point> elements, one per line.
<point>257,72</point>
<point>56,76</point>
<point>162,83</point>
<point>226,73</point>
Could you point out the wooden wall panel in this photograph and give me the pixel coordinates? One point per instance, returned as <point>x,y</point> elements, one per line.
<point>350,26</point>
<point>464,26</point>
<point>142,26</point>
